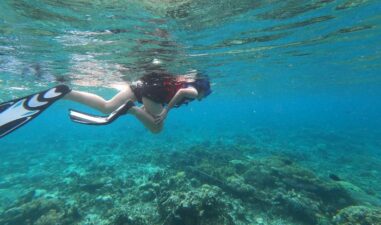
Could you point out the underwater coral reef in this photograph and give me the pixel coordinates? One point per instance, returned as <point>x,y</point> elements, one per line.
<point>207,183</point>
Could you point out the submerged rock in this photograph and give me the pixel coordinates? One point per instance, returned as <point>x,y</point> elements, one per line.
<point>196,188</point>
<point>122,218</point>
<point>148,195</point>
<point>30,211</point>
<point>92,187</point>
<point>239,165</point>
<point>105,200</point>
<point>334,177</point>
<point>202,206</point>
<point>51,217</point>
<point>296,191</point>
<point>279,184</point>
<point>358,194</point>
<point>360,215</point>
<point>39,212</point>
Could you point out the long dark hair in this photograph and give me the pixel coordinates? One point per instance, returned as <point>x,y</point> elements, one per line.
<point>201,81</point>
<point>156,76</point>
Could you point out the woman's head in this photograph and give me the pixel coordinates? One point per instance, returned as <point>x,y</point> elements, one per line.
<point>202,84</point>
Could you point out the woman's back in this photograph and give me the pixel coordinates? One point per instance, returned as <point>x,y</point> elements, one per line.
<point>159,87</point>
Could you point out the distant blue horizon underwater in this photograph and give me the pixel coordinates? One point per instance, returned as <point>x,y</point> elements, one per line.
<point>290,135</point>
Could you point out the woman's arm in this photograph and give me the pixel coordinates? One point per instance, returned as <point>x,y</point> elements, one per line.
<point>189,92</point>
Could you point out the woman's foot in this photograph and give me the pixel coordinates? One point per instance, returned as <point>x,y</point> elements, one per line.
<point>89,119</point>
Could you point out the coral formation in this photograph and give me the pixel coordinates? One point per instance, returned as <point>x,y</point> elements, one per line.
<point>358,215</point>
<point>200,186</point>
<point>39,212</point>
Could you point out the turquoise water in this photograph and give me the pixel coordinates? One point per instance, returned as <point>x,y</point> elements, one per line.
<point>290,135</point>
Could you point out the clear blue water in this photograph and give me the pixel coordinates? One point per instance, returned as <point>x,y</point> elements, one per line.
<point>294,78</point>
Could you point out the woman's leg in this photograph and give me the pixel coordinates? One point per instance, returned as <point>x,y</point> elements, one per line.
<point>147,113</point>
<point>99,103</point>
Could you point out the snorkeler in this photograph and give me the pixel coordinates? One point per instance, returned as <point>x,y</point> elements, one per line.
<point>158,92</point>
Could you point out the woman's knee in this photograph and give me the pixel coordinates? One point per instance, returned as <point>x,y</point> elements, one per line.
<point>157,128</point>
<point>108,107</point>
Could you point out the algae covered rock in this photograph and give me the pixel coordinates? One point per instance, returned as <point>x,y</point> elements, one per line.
<point>51,217</point>
<point>359,215</point>
<point>357,194</point>
<point>202,206</point>
<point>30,211</point>
<point>198,188</point>
<point>296,191</point>
<point>39,212</point>
<point>239,165</point>
<point>275,184</point>
<point>123,218</point>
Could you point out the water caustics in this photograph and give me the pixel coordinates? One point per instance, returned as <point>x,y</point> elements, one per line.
<point>97,43</point>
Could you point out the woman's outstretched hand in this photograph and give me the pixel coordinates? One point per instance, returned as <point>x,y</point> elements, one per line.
<point>161,117</point>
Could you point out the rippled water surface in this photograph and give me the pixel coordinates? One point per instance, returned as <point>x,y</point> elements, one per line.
<point>291,44</point>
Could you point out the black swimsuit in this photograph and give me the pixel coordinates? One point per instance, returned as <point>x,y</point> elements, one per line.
<point>158,89</point>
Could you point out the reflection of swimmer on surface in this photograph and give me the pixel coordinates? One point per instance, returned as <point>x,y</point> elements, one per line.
<point>36,71</point>
<point>158,93</point>
<point>158,32</point>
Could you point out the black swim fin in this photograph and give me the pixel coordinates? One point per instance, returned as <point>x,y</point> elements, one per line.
<point>15,113</point>
<point>88,119</point>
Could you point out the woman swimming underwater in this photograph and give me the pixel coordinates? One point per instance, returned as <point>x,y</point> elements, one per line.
<point>158,93</point>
